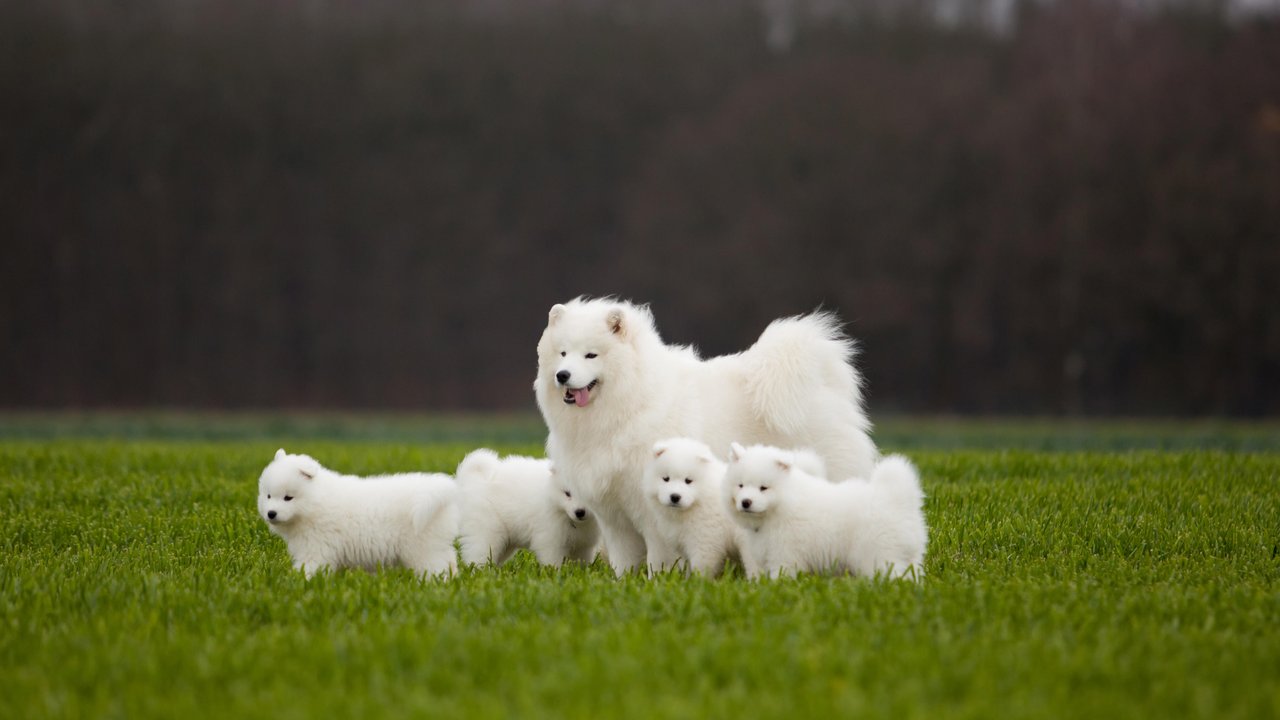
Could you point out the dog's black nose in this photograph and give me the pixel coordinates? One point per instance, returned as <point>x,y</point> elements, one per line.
<point>562,377</point>
<point>579,513</point>
<point>746,504</point>
<point>271,515</point>
<point>675,498</point>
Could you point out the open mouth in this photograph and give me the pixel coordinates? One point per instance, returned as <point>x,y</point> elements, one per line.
<point>579,396</point>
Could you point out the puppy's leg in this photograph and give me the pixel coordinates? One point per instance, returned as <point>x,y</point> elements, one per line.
<point>482,540</point>
<point>661,554</point>
<point>309,567</point>
<point>707,560</point>
<point>549,546</point>
<point>311,557</point>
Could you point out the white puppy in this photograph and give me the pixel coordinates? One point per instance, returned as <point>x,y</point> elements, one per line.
<point>609,388</point>
<point>685,483</point>
<point>797,521</point>
<point>516,502</point>
<point>334,521</point>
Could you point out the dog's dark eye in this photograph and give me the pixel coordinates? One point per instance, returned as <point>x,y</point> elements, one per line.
<point>287,498</point>
<point>666,479</point>
<point>739,486</point>
<point>763,488</point>
<point>591,356</point>
<point>688,481</point>
<point>268,497</point>
<point>566,494</point>
<point>561,353</point>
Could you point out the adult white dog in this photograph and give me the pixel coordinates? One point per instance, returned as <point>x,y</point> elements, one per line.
<point>609,388</point>
<point>333,521</point>
<point>517,502</point>
<point>685,481</point>
<point>798,522</point>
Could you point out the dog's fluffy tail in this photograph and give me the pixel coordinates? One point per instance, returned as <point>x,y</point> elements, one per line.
<point>899,482</point>
<point>478,464</point>
<point>428,505</point>
<point>794,359</point>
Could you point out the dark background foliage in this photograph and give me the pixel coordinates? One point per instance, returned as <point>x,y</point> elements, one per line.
<point>249,203</point>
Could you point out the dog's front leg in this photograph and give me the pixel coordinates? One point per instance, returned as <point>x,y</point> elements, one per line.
<point>661,554</point>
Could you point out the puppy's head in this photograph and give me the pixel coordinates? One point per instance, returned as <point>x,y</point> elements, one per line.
<point>283,488</point>
<point>680,471</point>
<point>571,506</point>
<point>755,478</point>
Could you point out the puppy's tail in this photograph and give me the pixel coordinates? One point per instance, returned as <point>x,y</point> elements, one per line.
<point>795,360</point>
<point>430,504</point>
<point>896,478</point>
<point>478,464</point>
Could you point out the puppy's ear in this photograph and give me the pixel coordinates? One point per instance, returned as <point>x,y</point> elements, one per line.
<point>556,311</point>
<point>615,321</point>
<point>280,453</point>
<point>659,448</point>
<point>735,452</point>
<point>308,468</point>
<point>704,459</point>
<point>785,462</point>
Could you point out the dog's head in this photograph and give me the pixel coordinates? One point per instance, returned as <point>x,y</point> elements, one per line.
<point>681,471</point>
<point>283,488</point>
<point>578,514</point>
<point>587,345</point>
<point>757,476</point>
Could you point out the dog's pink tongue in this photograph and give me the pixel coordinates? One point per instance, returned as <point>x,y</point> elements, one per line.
<point>581,397</point>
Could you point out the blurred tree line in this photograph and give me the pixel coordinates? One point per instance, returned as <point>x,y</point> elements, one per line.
<point>373,204</point>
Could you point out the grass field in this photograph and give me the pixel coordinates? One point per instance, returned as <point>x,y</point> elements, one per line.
<point>1107,570</point>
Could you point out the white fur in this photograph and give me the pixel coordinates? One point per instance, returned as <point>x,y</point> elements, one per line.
<point>798,522</point>
<point>335,521</point>
<point>685,481</point>
<point>795,387</point>
<point>517,502</point>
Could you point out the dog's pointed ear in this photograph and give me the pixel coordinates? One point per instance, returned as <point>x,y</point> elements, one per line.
<point>556,311</point>
<point>735,452</point>
<point>659,448</point>
<point>616,321</point>
<point>280,453</point>
<point>308,468</point>
<point>704,459</point>
<point>785,463</point>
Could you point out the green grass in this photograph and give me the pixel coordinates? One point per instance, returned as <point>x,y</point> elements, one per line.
<point>137,581</point>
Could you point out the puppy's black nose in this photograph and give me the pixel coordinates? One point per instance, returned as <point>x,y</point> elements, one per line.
<point>562,377</point>
<point>579,513</point>
<point>675,498</point>
<point>746,504</point>
<point>271,515</point>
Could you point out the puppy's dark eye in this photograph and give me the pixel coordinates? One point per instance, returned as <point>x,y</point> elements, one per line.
<point>268,497</point>
<point>566,494</point>
<point>666,479</point>
<point>739,486</point>
<point>688,481</point>
<point>561,353</point>
<point>287,498</point>
<point>763,488</point>
<point>591,356</point>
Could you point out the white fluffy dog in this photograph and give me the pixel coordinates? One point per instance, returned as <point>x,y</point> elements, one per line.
<point>334,521</point>
<point>685,483</point>
<point>609,388</point>
<point>516,502</point>
<point>798,522</point>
